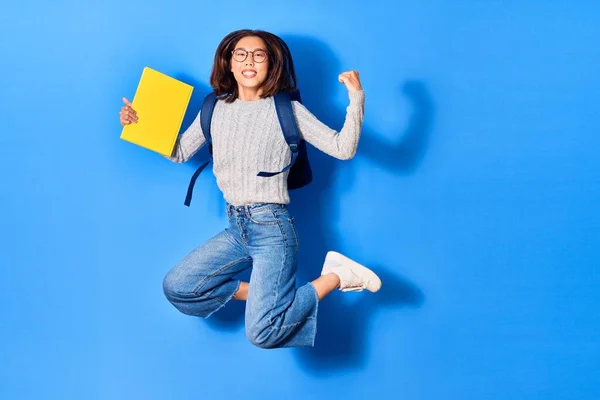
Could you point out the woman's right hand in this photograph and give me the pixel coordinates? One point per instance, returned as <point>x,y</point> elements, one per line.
<point>127,114</point>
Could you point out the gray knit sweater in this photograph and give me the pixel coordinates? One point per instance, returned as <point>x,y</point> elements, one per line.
<point>247,139</point>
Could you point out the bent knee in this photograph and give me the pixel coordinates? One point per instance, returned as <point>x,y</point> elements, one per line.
<point>264,338</point>
<point>175,288</point>
<point>171,287</point>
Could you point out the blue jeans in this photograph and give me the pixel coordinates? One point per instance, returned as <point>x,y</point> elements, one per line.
<point>261,236</point>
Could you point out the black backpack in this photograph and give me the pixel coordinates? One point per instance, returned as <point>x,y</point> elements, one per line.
<point>300,172</point>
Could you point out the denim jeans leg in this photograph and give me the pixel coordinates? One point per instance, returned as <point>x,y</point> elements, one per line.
<point>204,280</point>
<point>277,314</point>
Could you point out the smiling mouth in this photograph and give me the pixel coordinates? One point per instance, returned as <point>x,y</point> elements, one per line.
<point>249,74</point>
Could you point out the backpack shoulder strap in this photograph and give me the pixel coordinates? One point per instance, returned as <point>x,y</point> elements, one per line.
<point>287,120</point>
<point>206,113</point>
<point>208,106</point>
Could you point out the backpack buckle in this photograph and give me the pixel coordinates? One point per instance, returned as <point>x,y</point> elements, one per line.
<point>294,147</point>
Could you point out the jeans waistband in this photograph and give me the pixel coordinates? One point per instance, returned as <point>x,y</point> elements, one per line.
<point>248,209</point>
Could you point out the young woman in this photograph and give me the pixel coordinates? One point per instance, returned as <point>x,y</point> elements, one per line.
<point>250,67</point>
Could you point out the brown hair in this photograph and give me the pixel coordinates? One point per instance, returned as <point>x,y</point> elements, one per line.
<point>281,75</point>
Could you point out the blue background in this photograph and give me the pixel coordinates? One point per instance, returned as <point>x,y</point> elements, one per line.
<point>474,194</point>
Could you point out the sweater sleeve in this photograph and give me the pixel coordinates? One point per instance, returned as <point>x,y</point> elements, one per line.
<point>340,145</point>
<point>189,142</point>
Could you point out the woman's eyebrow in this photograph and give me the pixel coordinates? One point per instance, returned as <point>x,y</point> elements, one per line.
<point>256,49</point>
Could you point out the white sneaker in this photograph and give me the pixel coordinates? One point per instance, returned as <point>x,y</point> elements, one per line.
<point>353,276</point>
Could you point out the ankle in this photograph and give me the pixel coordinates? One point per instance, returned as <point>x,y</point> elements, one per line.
<point>334,278</point>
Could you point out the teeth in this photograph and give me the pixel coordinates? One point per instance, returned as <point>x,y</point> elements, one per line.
<point>249,74</point>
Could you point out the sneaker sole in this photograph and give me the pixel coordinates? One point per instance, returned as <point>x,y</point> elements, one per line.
<point>374,281</point>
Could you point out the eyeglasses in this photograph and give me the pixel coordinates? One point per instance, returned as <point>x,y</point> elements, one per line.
<point>258,56</point>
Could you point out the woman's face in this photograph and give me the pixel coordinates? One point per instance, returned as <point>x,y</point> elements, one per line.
<point>250,73</point>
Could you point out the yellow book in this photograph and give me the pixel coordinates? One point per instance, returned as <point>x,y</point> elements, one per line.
<point>160,102</point>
